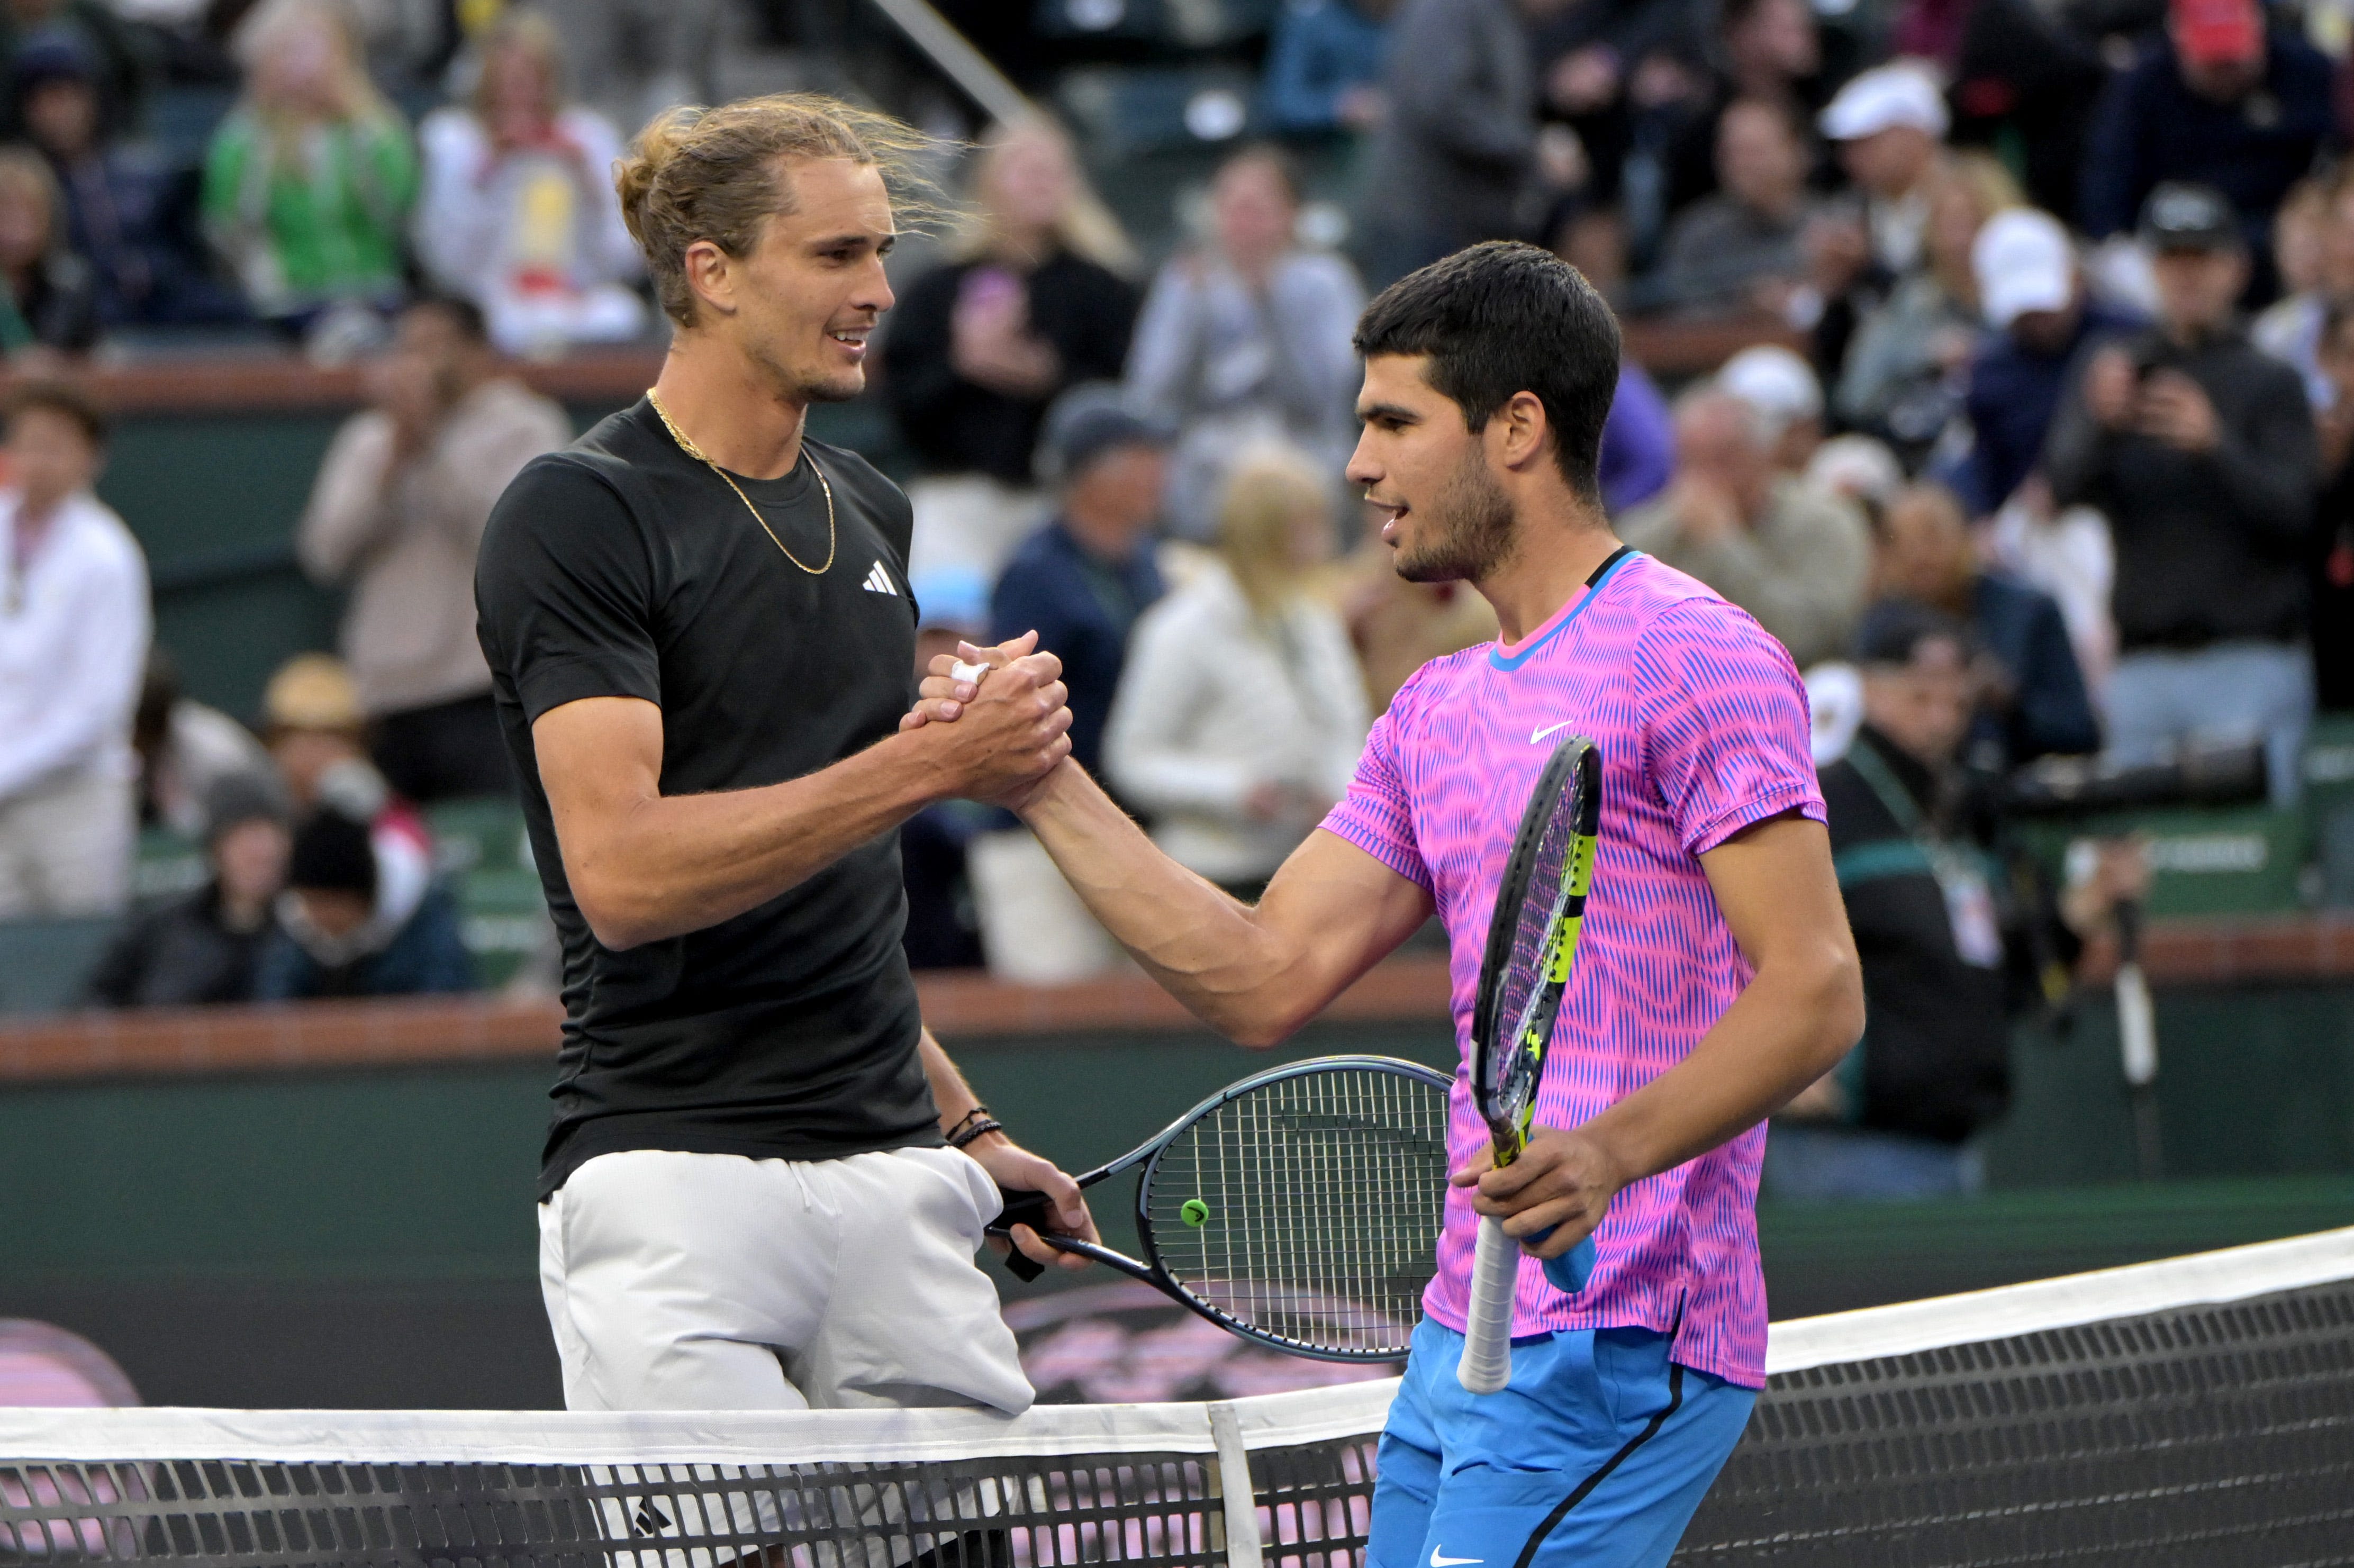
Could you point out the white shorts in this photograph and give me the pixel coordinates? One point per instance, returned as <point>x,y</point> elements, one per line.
<point>715,1282</point>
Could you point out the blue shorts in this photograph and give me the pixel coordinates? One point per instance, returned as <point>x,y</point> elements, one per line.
<point>1594,1454</point>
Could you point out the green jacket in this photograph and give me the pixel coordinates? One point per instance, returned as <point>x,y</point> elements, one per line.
<point>320,221</point>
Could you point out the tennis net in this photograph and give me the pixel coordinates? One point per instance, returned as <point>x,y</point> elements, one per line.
<point>2196,1410</point>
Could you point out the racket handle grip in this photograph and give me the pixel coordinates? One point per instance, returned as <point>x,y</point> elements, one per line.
<point>1486,1363</point>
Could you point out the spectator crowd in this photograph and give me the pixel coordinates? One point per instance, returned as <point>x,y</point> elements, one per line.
<point>2040,428</point>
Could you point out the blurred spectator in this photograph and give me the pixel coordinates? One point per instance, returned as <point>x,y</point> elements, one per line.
<point>307,181</point>
<point>1246,339</point>
<point>2030,698</point>
<point>1890,125</point>
<point>2031,294</point>
<point>121,214</point>
<point>2316,272</point>
<point>1397,626</point>
<point>943,929</point>
<point>51,302</point>
<point>1796,559</point>
<point>314,730</point>
<point>1639,442</point>
<point>2023,85</point>
<point>1032,303</point>
<point>1768,50</point>
<point>1859,469</point>
<point>186,749</point>
<point>1242,711</point>
<point>73,641</point>
<point>1783,389</point>
<point>2221,100</point>
<point>1324,67</point>
<point>120,63</point>
<point>206,946</point>
<point>335,936</point>
<point>2333,554</point>
<point>1081,581</point>
<point>1906,369</point>
<point>2201,449</point>
<point>396,514</point>
<point>517,210</point>
<point>1459,151</point>
<point>1739,249</point>
<point>1951,936</point>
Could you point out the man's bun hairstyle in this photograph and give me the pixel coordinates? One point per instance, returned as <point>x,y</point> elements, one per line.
<point>713,173</point>
<point>1502,318</point>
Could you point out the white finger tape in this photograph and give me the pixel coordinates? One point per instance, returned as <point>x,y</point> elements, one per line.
<point>964,671</point>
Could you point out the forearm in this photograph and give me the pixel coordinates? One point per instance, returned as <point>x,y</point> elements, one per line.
<point>668,864</point>
<point>1243,976</point>
<point>951,1094</point>
<point>1787,1028</point>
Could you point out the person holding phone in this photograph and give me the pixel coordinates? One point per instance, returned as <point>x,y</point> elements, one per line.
<point>2199,449</point>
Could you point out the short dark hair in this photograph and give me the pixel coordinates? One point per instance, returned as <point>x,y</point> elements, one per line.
<point>462,314</point>
<point>63,399</point>
<point>1502,318</point>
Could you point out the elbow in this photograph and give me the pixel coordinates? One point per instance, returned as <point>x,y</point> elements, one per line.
<point>1262,1030</point>
<point>618,916</point>
<point>1838,991</point>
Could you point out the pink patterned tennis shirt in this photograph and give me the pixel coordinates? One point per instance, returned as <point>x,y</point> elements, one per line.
<point>1703,725</point>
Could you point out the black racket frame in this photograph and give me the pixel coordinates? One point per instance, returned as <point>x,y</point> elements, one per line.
<point>1031,1209</point>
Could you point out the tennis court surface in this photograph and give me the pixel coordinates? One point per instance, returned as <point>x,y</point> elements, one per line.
<point>2199,1411</point>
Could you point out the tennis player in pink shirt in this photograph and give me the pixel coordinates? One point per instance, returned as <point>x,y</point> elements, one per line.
<point>1716,975</point>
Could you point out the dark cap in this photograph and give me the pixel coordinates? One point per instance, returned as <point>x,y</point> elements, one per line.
<point>1895,628</point>
<point>332,853</point>
<point>51,54</point>
<point>1086,424</point>
<point>2183,217</point>
<point>236,799</point>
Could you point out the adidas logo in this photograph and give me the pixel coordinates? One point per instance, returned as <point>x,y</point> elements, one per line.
<point>877,581</point>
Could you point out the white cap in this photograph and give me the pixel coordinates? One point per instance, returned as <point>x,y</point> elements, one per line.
<point>2023,261</point>
<point>1885,97</point>
<point>1777,383</point>
<point>1856,467</point>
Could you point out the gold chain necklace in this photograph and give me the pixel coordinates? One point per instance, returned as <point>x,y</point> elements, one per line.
<point>691,450</point>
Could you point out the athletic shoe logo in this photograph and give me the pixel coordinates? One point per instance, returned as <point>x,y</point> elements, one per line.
<point>1534,738</point>
<point>1438,1561</point>
<point>877,581</point>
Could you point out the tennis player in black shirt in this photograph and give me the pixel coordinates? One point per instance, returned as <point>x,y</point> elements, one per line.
<point>764,1184</point>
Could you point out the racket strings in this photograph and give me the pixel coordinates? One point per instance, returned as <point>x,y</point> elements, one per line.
<point>1318,1203</point>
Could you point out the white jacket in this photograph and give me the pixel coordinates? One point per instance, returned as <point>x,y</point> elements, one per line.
<point>1213,704</point>
<point>73,646</point>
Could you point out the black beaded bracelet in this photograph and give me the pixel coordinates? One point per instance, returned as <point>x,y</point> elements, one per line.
<point>977,1113</point>
<point>966,1133</point>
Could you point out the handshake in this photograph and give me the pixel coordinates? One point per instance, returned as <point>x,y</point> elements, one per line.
<point>994,721</point>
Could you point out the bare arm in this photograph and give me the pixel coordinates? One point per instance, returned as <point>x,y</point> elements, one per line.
<point>1795,1020</point>
<point>1253,974</point>
<point>645,866</point>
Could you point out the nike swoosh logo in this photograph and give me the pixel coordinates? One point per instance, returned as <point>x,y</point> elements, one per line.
<point>1538,735</point>
<point>1438,1561</point>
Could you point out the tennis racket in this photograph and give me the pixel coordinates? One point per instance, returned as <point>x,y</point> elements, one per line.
<point>1299,1208</point>
<point>1532,942</point>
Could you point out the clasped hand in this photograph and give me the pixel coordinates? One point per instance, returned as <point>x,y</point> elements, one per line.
<point>1011,724</point>
<point>1563,1180</point>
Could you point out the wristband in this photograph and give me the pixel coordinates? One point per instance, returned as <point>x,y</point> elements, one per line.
<point>967,1133</point>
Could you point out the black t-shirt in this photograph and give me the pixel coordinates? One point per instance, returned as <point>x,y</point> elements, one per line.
<point>620,567</point>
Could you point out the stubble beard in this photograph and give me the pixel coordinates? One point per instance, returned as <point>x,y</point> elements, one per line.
<point>1472,530</point>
